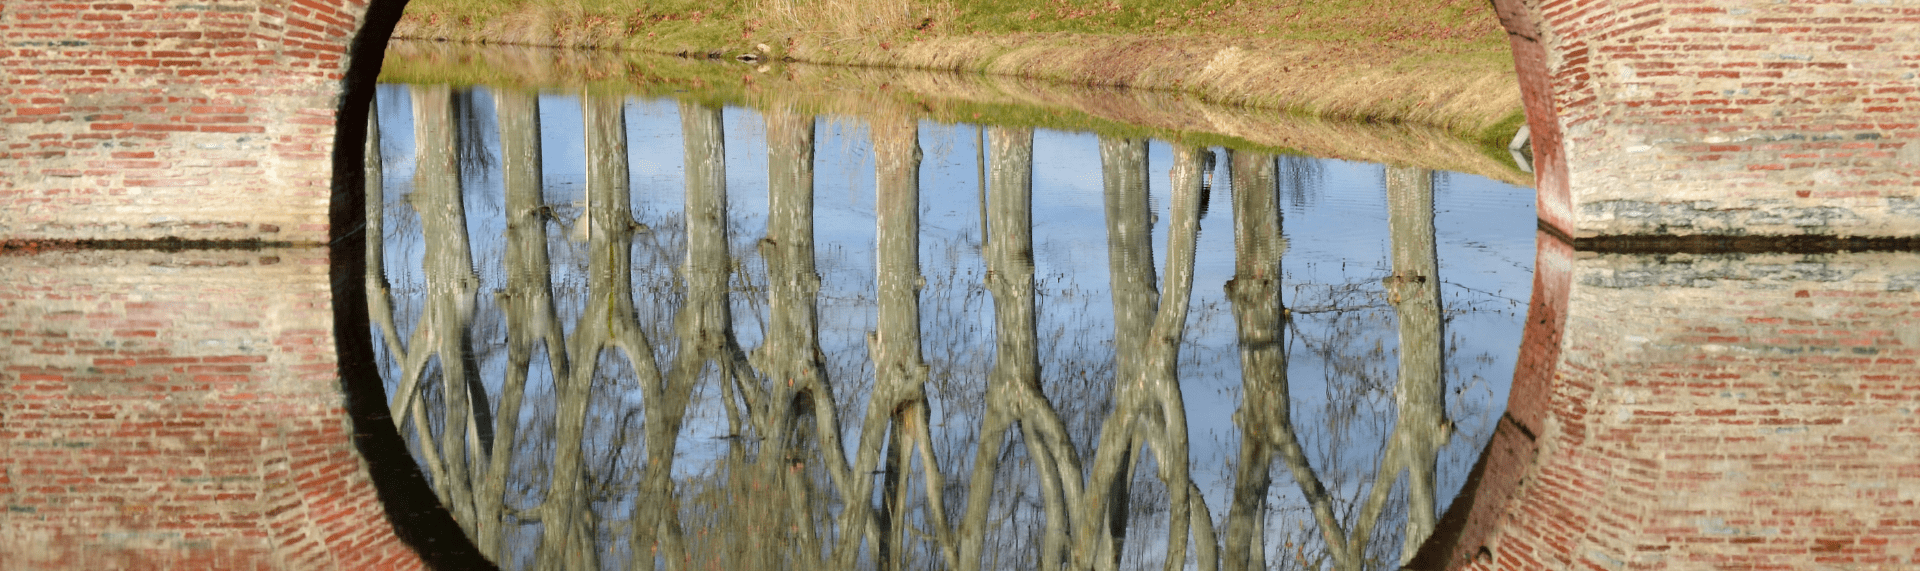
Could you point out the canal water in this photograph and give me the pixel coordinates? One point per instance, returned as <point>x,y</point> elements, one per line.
<point>621,323</point>
<point>635,312</point>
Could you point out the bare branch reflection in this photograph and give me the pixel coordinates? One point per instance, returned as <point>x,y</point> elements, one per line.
<point>934,444</point>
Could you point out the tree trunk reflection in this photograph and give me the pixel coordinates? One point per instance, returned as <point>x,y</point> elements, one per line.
<point>568,525</point>
<point>437,354</point>
<point>532,323</point>
<point>1123,165</point>
<point>1148,407</point>
<point>1414,289</point>
<point>582,474</point>
<point>791,358</point>
<point>1259,316</point>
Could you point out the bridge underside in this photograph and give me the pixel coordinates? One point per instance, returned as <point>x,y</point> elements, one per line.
<point>220,120</point>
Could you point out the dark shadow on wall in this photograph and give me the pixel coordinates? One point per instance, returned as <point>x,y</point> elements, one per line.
<point>412,508</point>
<point>1462,535</point>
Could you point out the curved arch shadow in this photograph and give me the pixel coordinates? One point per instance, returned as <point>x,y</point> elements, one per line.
<point>414,510</point>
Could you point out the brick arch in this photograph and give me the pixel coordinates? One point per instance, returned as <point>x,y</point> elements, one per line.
<point>223,116</point>
<point>145,423</point>
<point>1752,412</point>
<point>412,506</point>
<point>138,119</point>
<point>1721,117</point>
<point>1730,422</point>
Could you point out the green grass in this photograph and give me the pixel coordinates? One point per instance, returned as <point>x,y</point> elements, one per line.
<point>877,94</point>
<point>1438,63</point>
<point>1443,26</point>
<point>1300,20</point>
<point>662,25</point>
<point>650,76</point>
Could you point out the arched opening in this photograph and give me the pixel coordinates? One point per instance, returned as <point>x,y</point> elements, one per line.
<point>1283,173</point>
<point>418,518</point>
<point>1808,196</point>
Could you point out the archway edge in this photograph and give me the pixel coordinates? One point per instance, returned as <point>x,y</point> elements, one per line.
<point>1722,117</point>
<point>418,518</point>
<point>213,124</point>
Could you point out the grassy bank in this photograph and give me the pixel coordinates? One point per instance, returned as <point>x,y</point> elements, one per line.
<point>870,94</point>
<point>1437,63</point>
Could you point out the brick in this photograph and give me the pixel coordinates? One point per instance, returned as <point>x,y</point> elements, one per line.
<point>184,471</point>
<point>1720,477</point>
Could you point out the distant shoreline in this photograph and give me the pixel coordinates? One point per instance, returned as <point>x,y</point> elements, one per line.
<point>1453,73</point>
<point>868,93</point>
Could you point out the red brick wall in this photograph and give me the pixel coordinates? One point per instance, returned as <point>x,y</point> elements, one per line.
<point>1722,117</point>
<point>179,411</point>
<point>205,119</point>
<point>1537,95</point>
<point>214,120</point>
<point>1708,412</point>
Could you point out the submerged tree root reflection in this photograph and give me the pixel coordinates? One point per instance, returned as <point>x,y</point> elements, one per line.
<point>929,451</point>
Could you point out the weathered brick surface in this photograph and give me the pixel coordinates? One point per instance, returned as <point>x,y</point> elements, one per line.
<point>179,411</point>
<point>214,119</point>
<point>1723,116</point>
<point>205,119</point>
<point>1731,412</point>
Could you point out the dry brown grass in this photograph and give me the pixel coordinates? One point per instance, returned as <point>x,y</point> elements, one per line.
<point>1437,64</point>
<point>557,25</point>
<point>887,95</point>
<point>1176,115</point>
<point>837,21</point>
<point>1464,96</point>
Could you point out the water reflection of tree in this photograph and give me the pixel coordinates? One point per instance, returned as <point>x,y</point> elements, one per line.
<point>932,450</point>
<point>1346,522</point>
<point>451,433</point>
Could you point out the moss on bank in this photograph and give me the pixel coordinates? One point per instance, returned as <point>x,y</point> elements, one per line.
<point>1437,63</point>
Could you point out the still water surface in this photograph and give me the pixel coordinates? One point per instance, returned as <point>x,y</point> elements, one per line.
<point>621,329</point>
